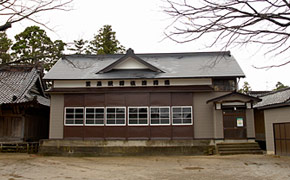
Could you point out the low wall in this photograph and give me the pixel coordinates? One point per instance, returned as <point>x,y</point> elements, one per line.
<point>125,148</point>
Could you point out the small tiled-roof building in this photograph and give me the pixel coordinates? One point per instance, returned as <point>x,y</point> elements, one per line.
<point>275,111</point>
<point>24,108</point>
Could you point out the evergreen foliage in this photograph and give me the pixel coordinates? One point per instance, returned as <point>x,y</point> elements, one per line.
<point>5,45</point>
<point>279,86</point>
<point>105,42</point>
<point>80,47</point>
<point>33,46</point>
<point>246,88</point>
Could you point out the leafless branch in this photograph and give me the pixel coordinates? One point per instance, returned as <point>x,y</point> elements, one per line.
<point>236,22</point>
<point>272,66</point>
<point>13,11</point>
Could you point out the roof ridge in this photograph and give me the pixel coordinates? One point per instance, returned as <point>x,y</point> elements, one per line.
<point>153,54</point>
<point>274,92</point>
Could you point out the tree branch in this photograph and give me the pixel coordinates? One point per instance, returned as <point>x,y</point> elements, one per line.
<point>17,10</point>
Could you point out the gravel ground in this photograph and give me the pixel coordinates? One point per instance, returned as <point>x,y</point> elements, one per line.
<point>23,166</point>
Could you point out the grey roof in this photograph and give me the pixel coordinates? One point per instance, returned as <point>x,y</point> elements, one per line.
<point>274,99</point>
<point>16,83</point>
<point>234,93</point>
<point>258,93</point>
<point>173,65</point>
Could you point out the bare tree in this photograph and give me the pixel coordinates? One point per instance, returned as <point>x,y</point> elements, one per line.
<point>232,23</point>
<point>12,11</point>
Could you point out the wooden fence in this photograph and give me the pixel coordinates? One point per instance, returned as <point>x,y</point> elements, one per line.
<point>23,147</point>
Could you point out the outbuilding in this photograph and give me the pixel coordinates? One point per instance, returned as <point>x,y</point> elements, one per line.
<point>24,108</point>
<point>275,112</point>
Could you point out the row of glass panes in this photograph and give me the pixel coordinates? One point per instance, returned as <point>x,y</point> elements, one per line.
<point>137,115</point>
<point>132,83</point>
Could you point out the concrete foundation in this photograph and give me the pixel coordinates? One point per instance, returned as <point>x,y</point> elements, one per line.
<point>126,148</point>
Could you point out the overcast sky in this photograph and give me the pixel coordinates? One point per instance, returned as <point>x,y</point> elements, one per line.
<point>140,25</point>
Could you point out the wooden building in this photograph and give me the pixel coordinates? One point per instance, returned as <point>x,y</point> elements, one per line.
<point>163,96</point>
<point>274,113</point>
<point>24,108</point>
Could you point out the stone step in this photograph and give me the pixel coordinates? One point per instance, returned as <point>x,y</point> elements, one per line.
<point>238,144</point>
<point>240,152</point>
<point>238,148</point>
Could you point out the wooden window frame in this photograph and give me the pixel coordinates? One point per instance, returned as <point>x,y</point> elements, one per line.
<point>106,117</point>
<point>65,113</point>
<point>138,107</point>
<point>181,124</point>
<point>169,116</point>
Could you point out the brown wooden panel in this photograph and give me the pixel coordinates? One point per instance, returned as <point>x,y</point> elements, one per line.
<point>135,132</point>
<point>160,132</point>
<point>137,99</point>
<point>181,99</point>
<point>278,147</point>
<point>230,122</point>
<point>75,132</point>
<point>240,133</point>
<point>91,132</point>
<point>231,130</point>
<point>115,132</point>
<point>282,138</point>
<point>288,147</point>
<point>74,100</point>
<point>115,99</point>
<point>282,131</point>
<point>283,147</point>
<point>259,124</point>
<point>277,131</point>
<point>182,132</point>
<point>287,130</point>
<point>2,126</point>
<point>160,99</point>
<point>11,127</point>
<point>95,100</point>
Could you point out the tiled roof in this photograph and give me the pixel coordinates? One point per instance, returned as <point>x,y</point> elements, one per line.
<point>172,65</point>
<point>258,93</point>
<point>16,83</point>
<point>274,99</point>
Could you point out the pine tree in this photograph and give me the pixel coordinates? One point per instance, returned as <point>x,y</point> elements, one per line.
<point>80,47</point>
<point>246,88</point>
<point>5,45</point>
<point>33,46</point>
<point>279,86</point>
<point>105,42</point>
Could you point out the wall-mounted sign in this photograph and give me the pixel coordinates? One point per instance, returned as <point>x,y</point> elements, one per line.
<point>240,122</point>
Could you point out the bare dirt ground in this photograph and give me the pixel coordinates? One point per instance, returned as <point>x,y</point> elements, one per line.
<point>23,166</point>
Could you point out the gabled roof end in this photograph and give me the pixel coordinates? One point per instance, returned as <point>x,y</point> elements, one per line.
<point>129,53</point>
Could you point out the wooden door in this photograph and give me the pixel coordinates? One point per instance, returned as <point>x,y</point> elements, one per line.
<point>234,124</point>
<point>282,138</point>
